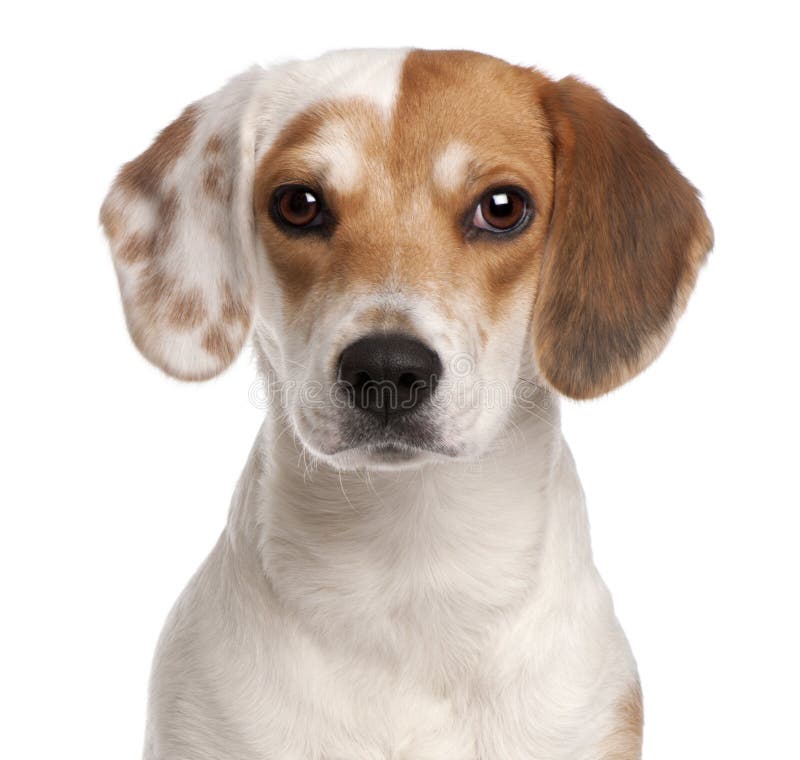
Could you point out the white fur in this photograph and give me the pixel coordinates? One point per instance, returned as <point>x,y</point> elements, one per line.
<point>450,168</point>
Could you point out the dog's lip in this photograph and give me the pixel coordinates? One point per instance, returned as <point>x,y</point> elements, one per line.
<point>393,450</point>
<point>397,448</point>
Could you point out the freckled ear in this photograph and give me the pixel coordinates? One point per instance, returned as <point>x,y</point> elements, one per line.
<point>627,237</point>
<point>179,222</point>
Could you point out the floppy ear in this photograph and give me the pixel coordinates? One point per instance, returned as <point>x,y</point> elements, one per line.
<point>179,222</point>
<point>627,236</point>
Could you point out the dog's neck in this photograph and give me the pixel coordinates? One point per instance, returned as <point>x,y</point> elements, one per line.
<point>417,563</point>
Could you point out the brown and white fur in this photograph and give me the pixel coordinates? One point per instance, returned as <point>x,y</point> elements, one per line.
<point>386,598</point>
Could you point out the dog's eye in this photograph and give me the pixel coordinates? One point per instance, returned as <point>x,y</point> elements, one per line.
<point>501,210</point>
<point>298,206</point>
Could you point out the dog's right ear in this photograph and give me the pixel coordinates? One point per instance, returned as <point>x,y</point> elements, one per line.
<point>179,222</point>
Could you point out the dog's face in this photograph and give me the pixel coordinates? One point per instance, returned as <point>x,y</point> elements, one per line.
<point>409,234</point>
<point>406,244</point>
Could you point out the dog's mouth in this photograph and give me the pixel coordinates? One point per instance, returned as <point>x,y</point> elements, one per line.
<point>399,442</point>
<point>392,452</point>
<point>397,449</point>
<point>389,456</point>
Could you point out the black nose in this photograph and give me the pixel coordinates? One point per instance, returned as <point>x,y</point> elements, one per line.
<point>389,375</point>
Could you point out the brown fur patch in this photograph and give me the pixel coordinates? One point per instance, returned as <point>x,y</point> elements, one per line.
<point>305,261</point>
<point>111,221</point>
<point>160,298</point>
<point>214,145</point>
<point>134,248</point>
<point>167,214</point>
<point>216,183</point>
<point>186,310</point>
<point>145,173</point>
<point>625,741</point>
<point>139,246</point>
<point>234,309</point>
<point>154,288</point>
<point>386,319</point>
<point>504,127</point>
<point>627,237</point>
<point>218,344</point>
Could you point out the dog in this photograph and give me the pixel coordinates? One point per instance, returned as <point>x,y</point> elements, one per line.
<point>426,249</point>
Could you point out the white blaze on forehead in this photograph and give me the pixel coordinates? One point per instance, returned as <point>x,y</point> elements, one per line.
<point>291,88</point>
<point>372,74</point>
<point>451,166</point>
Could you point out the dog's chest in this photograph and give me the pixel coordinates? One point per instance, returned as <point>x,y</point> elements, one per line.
<point>324,641</point>
<point>319,702</point>
<point>404,727</point>
<point>351,711</point>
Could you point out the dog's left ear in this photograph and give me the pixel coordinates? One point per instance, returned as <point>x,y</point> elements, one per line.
<point>180,224</point>
<point>627,236</point>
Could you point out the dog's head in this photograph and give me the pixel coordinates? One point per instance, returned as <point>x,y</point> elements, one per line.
<point>405,234</point>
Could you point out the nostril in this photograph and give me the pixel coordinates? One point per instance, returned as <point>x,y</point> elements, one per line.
<point>408,379</point>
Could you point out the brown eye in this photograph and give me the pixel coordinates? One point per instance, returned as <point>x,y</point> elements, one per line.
<point>501,210</point>
<point>298,206</point>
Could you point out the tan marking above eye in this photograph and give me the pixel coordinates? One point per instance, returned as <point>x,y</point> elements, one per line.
<point>452,165</point>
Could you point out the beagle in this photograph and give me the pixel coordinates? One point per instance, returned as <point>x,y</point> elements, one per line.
<point>426,249</point>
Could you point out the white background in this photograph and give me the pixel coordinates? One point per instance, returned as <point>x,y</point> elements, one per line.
<point>116,480</point>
